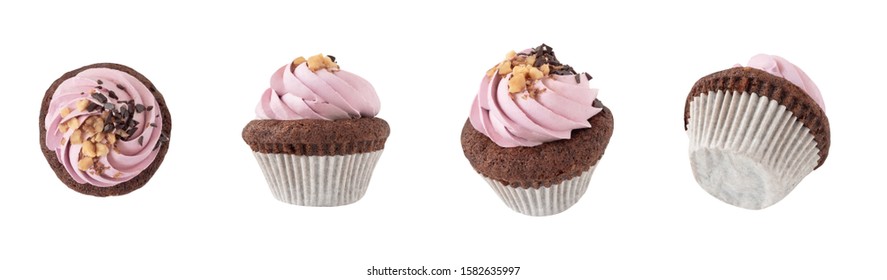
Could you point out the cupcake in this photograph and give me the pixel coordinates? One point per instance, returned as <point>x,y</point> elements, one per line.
<point>104,129</point>
<point>316,136</point>
<point>755,131</point>
<point>536,132</point>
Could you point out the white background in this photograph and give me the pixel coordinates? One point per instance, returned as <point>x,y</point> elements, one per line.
<point>208,214</point>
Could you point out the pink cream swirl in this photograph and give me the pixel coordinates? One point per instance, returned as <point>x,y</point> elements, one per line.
<point>299,93</point>
<point>512,120</point>
<point>782,68</point>
<point>127,157</point>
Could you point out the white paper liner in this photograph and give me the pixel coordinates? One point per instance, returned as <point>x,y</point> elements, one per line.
<point>318,180</point>
<point>543,201</point>
<point>748,150</point>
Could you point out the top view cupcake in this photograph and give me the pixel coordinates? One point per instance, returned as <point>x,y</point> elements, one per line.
<point>104,129</point>
<point>536,131</point>
<point>755,131</point>
<point>316,135</point>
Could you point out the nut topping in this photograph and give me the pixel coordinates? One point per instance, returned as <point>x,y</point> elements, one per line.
<point>528,68</point>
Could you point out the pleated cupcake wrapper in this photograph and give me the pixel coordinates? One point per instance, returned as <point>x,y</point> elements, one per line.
<point>318,180</point>
<point>748,150</point>
<point>543,201</point>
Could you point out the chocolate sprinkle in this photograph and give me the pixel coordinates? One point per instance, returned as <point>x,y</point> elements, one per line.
<point>112,94</point>
<point>577,78</point>
<point>99,81</point>
<point>98,87</point>
<point>333,58</point>
<point>119,86</point>
<point>140,108</point>
<point>588,76</point>
<point>153,124</point>
<point>141,138</point>
<point>149,108</point>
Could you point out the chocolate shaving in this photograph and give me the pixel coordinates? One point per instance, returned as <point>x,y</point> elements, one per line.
<point>149,108</point>
<point>130,131</point>
<point>99,97</point>
<point>108,128</point>
<point>141,138</point>
<point>545,54</point>
<point>140,108</point>
<point>108,106</point>
<point>163,138</point>
<point>98,87</point>
<point>577,78</point>
<point>587,76</point>
<point>99,82</point>
<point>112,94</point>
<point>92,107</point>
<point>153,124</point>
<point>333,58</point>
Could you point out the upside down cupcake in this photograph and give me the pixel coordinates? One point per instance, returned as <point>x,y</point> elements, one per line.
<point>104,129</point>
<point>536,131</point>
<point>755,131</point>
<point>316,137</point>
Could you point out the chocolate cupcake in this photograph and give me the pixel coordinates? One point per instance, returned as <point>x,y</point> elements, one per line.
<point>104,129</point>
<point>316,136</point>
<point>756,131</point>
<point>536,132</point>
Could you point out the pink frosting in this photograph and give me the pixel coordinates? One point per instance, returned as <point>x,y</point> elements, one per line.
<point>300,93</point>
<point>780,67</point>
<point>130,157</point>
<point>562,106</point>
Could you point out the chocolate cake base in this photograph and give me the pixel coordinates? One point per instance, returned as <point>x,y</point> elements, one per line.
<point>543,165</point>
<point>751,80</point>
<point>317,137</point>
<point>123,188</point>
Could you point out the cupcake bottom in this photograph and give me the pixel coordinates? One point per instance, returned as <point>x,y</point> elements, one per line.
<point>543,201</point>
<point>748,150</point>
<point>318,180</point>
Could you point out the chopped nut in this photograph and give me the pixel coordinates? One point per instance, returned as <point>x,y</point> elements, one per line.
<point>63,128</point>
<point>111,138</point>
<point>517,83</point>
<point>545,69</point>
<point>101,149</point>
<point>73,123</point>
<point>84,163</point>
<point>298,60</point>
<point>531,60</point>
<point>77,137</point>
<point>521,70</point>
<point>65,111</point>
<point>99,137</point>
<point>81,105</point>
<point>88,149</point>
<point>328,62</point>
<point>492,71</point>
<point>98,124</point>
<point>505,67</point>
<point>315,62</point>
<point>535,73</point>
<point>510,55</point>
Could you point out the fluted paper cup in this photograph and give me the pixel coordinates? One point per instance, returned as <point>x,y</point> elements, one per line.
<point>543,201</point>
<point>748,150</point>
<point>318,180</point>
